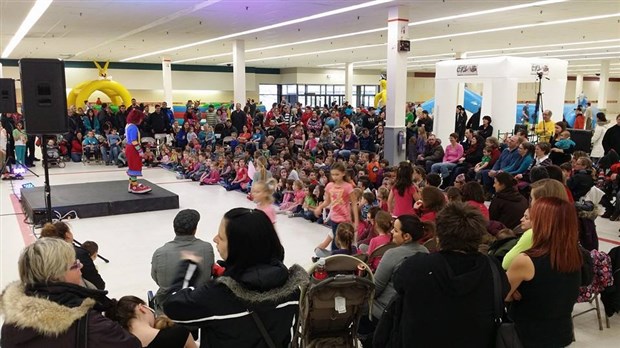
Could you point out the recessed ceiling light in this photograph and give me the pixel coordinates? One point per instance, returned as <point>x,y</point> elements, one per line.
<point>268,27</point>
<point>37,10</point>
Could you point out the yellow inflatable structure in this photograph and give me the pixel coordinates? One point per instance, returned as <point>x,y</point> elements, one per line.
<point>117,93</point>
<point>381,97</point>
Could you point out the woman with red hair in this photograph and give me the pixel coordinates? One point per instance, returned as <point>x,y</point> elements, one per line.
<point>134,153</point>
<point>545,279</point>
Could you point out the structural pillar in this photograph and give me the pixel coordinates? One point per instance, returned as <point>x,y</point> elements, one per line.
<point>398,29</point>
<point>239,71</point>
<point>578,87</point>
<point>602,86</point>
<point>166,68</point>
<point>348,83</point>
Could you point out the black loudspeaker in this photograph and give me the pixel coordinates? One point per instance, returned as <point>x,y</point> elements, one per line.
<point>8,102</point>
<point>44,97</point>
<point>582,139</point>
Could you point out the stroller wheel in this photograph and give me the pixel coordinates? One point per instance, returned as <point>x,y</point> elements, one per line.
<point>61,164</point>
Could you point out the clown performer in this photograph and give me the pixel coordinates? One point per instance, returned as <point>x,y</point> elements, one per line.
<point>133,151</point>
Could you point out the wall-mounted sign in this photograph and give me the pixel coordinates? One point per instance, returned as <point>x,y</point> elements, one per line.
<point>539,68</point>
<point>467,70</point>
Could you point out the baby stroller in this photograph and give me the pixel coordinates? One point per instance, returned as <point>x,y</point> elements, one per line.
<point>330,309</point>
<point>54,157</point>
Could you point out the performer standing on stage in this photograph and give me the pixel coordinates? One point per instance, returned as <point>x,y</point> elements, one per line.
<point>133,152</point>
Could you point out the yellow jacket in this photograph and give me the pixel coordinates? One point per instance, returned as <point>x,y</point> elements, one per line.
<point>545,130</point>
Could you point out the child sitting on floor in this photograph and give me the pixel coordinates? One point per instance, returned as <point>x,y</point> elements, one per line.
<point>345,237</point>
<point>212,177</point>
<point>309,204</point>
<point>293,206</point>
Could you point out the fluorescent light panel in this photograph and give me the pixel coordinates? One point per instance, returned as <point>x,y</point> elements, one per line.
<point>309,53</point>
<point>370,31</point>
<point>580,43</point>
<point>486,12</point>
<point>513,27</point>
<point>31,19</point>
<point>265,28</point>
<point>548,51</point>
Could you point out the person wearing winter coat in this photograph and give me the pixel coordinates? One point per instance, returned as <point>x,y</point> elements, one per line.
<point>602,125</point>
<point>508,205</point>
<point>47,305</point>
<point>611,139</point>
<point>433,153</point>
<point>581,181</point>
<point>255,287</point>
<point>452,288</point>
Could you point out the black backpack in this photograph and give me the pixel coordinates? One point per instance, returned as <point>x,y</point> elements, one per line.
<point>611,296</point>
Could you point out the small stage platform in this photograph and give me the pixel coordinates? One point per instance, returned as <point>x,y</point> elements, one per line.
<point>96,199</point>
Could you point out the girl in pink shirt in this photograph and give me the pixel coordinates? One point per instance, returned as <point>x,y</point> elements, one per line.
<point>338,197</point>
<point>404,193</point>
<point>212,178</point>
<point>262,193</point>
<point>298,199</point>
<point>383,226</point>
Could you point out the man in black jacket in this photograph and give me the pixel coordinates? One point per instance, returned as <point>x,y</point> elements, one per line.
<point>120,120</point>
<point>611,139</point>
<point>238,117</point>
<point>158,122</point>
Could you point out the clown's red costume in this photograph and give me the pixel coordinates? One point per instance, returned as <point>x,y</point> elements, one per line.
<point>133,152</point>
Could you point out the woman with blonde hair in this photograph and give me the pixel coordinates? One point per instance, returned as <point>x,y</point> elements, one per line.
<point>90,275</point>
<point>48,306</point>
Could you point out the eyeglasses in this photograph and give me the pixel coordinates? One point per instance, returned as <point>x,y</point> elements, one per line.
<point>76,265</point>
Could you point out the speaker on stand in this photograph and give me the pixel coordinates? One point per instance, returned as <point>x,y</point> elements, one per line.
<point>44,104</point>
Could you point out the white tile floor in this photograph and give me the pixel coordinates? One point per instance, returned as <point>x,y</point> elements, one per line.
<point>129,240</point>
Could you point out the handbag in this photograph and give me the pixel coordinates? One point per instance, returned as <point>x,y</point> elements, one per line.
<point>506,335</point>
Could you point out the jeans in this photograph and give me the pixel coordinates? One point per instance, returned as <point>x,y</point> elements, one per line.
<point>76,157</point>
<point>334,228</point>
<point>444,168</point>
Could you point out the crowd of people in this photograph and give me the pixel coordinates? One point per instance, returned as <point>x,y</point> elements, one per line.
<point>326,165</point>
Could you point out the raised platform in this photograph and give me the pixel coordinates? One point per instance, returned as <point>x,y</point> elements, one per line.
<point>96,199</point>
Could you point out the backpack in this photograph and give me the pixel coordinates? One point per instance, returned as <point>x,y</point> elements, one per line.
<point>611,295</point>
<point>602,278</point>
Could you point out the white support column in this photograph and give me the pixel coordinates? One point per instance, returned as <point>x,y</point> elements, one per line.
<point>239,71</point>
<point>602,86</point>
<point>398,29</point>
<point>1,73</point>
<point>166,68</point>
<point>460,93</point>
<point>348,83</point>
<point>578,87</point>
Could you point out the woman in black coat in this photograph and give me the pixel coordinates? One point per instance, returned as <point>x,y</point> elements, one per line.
<point>452,288</point>
<point>486,130</point>
<point>581,181</point>
<point>255,281</point>
<point>508,205</point>
<point>559,156</point>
